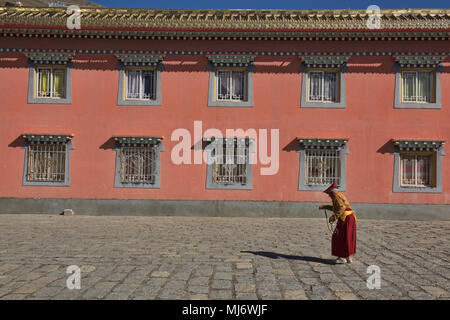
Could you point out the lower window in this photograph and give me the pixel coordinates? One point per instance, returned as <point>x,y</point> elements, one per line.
<point>138,165</point>
<point>417,170</point>
<point>322,167</point>
<point>229,166</point>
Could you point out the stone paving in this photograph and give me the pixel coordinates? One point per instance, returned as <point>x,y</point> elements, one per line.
<point>130,257</point>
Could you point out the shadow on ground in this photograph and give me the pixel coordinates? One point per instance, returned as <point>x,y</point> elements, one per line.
<point>273,255</point>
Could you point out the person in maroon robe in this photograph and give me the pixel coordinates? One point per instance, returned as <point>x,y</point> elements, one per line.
<point>343,240</point>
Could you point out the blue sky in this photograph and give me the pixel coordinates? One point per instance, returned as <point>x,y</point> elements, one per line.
<point>273,4</point>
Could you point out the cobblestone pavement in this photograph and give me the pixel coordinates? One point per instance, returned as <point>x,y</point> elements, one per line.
<point>130,257</point>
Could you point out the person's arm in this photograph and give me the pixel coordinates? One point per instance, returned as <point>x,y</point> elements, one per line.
<point>326,207</point>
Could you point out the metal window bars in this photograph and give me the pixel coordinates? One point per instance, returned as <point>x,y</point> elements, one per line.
<point>322,167</point>
<point>138,164</point>
<point>323,86</point>
<point>417,86</point>
<point>231,85</point>
<point>46,163</point>
<point>416,170</point>
<point>229,164</point>
<point>50,83</point>
<point>140,84</point>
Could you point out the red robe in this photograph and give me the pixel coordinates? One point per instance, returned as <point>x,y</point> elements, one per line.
<point>343,241</point>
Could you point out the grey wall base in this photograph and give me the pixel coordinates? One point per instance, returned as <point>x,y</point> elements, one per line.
<point>218,208</point>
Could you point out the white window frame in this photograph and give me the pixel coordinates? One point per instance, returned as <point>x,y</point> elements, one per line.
<point>322,96</point>
<point>230,79</point>
<point>431,170</point>
<point>416,72</point>
<point>141,84</point>
<point>51,69</point>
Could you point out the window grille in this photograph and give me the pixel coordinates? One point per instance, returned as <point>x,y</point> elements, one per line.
<point>323,86</point>
<point>231,85</point>
<point>229,164</point>
<point>416,170</point>
<point>138,165</point>
<point>322,167</point>
<point>417,86</point>
<point>46,162</point>
<point>140,84</point>
<point>51,83</point>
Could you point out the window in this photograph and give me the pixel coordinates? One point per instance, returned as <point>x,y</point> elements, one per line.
<point>231,85</point>
<point>46,163</point>
<point>140,84</point>
<point>229,166</point>
<point>50,83</point>
<point>138,162</point>
<point>417,81</point>
<point>323,86</point>
<point>230,80</point>
<point>417,166</point>
<point>47,160</point>
<point>416,170</point>
<point>322,162</point>
<point>417,86</point>
<point>322,167</point>
<point>138,165</point>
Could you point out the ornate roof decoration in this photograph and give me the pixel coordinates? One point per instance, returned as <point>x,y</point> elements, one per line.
<point>419,61</point>
<point>419,145</point>
<point>229,19</point>
<point>231,60</point>
<point>130,141</point>
<point>44,138</point>
<point>139,59</point>
<point>49,57</point>
<point>324,61</point>
<point>309,143</point>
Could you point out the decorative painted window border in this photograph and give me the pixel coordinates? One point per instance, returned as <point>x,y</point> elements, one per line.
<point>310,63</point>
<point>37,138</point>
<point>403,63</point>
<point>32,78</point>
<point>236,186</point>
<point>414,146</point>
<point>134,142</point>
<point>141,61</point>
<point>217,62</point>
<point>321,144</point>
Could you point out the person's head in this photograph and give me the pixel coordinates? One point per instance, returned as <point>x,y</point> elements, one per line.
<point>330,190</point>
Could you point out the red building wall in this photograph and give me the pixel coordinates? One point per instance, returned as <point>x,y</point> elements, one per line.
<point>369,119</point>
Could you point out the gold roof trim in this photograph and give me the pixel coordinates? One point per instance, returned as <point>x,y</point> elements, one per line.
<point>230,19</point>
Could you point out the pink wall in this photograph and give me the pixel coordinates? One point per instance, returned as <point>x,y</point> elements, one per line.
<point>369,120</point>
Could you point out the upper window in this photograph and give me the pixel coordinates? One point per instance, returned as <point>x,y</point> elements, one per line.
<point>323,86</point>
<point>138,162</point>
<point>417,82</point>
<point>140,84</point>
<point>229,164</point>
<point>417,166</point>
<point>47,160</point>
<point>323,81</point>
<point>231,85</point>
<point>49,78</point>
<point>322,162</point>
<point>139,80</point>
<point>50,82</point>
<point>230,81</point>
<point>418,86</point>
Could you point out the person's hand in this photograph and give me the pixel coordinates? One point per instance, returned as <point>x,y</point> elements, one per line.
<point>331,219</point>
<point>322,206</point>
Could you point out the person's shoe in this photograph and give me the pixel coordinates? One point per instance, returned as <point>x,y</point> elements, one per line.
<point>340,261</point>
<point>349,260</point>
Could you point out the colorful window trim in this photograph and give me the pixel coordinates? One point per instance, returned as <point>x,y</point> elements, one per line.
<point>417,166</point>
<point>47,160</point>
